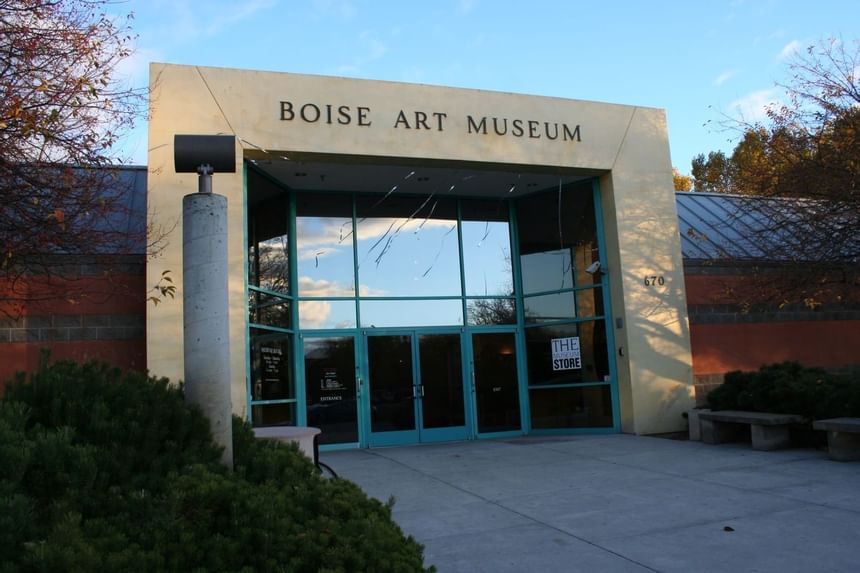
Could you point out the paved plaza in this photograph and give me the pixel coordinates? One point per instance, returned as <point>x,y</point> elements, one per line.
<point>616,503</point>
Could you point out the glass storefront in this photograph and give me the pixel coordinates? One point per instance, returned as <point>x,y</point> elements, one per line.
<point>419,318</point>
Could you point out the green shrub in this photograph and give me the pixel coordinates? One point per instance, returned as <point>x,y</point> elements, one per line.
<point>100,471</point>
<point>789,388</point>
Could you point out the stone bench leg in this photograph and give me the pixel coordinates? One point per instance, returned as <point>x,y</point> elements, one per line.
<point>716,432</point>
<point>843,446</point>
<point>768,438</point>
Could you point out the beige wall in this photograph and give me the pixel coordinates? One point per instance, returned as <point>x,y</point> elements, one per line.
<point>628,143</point>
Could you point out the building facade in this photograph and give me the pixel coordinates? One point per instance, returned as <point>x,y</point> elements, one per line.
<point>412,263</point>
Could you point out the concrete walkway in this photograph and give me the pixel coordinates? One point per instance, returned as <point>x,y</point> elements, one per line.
<point>616,503</point>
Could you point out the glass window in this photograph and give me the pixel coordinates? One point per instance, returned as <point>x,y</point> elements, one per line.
<point>268,244</point>
<point>549,307</point>
<point>391,313</point>
<point>318,314</point>
<point>490,311</point>
<point>586,407</point>
<point>271,365</point>
<point>551,363</point>
<point>486,248</point>
<point>273,414</point>
<point>589,302</point>
<point>558,238</point>
<point>407,246</point>
<point>560,306</point>
<point>268,309</point>
<point>324,245</point>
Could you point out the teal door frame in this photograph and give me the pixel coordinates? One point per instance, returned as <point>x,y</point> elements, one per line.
<point>419,434</point>
<point>522,387</point>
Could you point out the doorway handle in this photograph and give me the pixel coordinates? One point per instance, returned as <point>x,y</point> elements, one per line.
<point>415,392</point>
<point>473,380</point>
<point>421,390</point>
<point>358,386</point>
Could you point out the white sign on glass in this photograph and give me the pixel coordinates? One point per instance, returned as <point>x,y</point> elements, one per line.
<point>565,353</point>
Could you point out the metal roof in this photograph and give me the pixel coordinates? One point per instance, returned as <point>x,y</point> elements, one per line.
<point>716,226</point>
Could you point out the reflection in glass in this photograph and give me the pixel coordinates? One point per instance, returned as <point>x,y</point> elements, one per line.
<point>491,311</point>
<point>442,380</point>
<point>407,246</point>
<point>594,359</point>
<point>549,307</point>
<point>585,407</point>
<point>271,365</point>
<point>273,415</point>
<point>330,388</point>
<point>320,314</point>
<point>496,385</point>
<point>589,302</point>
<point>486,248</point>
<point>391,313</point>
<point>546,271</point>
<point>268,245</point>
<point>269,310</point>
<point>389,362</point>
<point>324,245</point>
<point>557,238</point>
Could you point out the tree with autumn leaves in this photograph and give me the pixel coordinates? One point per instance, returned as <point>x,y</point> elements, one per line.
<point>806,154</point>
<point>62,109</point>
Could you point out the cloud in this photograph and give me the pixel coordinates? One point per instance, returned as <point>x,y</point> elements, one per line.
<point>330,289</point>
<point>343,9</point>
<point>789,49</point>
<point>753,106</point>
<point>724,77</point>
<point>187,22</point>
<point>372,49</point>
<point>314,313</point>
<point>467,6</point>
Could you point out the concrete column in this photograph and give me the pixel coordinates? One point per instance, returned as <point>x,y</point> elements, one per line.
<point>206,320</point>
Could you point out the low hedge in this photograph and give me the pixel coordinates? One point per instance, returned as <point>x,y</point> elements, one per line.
<point>789,388</point>
<point>112,472</point>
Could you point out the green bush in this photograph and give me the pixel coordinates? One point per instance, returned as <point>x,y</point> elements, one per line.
<point>789,388</point>
<point>100,471</point>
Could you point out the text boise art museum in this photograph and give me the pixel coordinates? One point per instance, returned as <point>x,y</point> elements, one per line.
<point>362,116</point>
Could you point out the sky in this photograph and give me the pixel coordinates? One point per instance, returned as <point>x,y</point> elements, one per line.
<point>700,60</point>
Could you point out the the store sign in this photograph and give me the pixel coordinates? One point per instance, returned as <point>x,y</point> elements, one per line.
<point>477,124</point>
<point>565,353</point>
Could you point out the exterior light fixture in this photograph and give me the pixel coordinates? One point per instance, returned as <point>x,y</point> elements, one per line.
<point>205,293</point>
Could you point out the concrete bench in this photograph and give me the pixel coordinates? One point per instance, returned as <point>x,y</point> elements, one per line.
<point>305,437</point>
<point>768,431</point>
<point>843,437</point>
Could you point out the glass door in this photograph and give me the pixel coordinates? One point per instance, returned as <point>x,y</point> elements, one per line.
<point>496,385</point>
<point>392,390</point>
<point>415,388</point>
<point>441,397</point>
<point>332,387</point>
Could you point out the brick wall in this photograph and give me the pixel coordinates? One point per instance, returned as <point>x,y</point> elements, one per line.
<point>726,335</point>
<point>96,311</point>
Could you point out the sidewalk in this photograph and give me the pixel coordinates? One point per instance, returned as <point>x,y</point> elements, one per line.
<point>616,503</point>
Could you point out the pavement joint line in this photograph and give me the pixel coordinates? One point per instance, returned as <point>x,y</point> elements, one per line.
<point>528,517</point>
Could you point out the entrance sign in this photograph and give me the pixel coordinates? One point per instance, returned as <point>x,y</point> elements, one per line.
<point>565,354</point>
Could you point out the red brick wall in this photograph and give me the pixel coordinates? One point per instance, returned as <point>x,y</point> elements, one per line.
<point>99,315</point>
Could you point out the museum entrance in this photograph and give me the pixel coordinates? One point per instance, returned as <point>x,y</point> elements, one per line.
<point>415,387</point>
<point>419,315</point>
